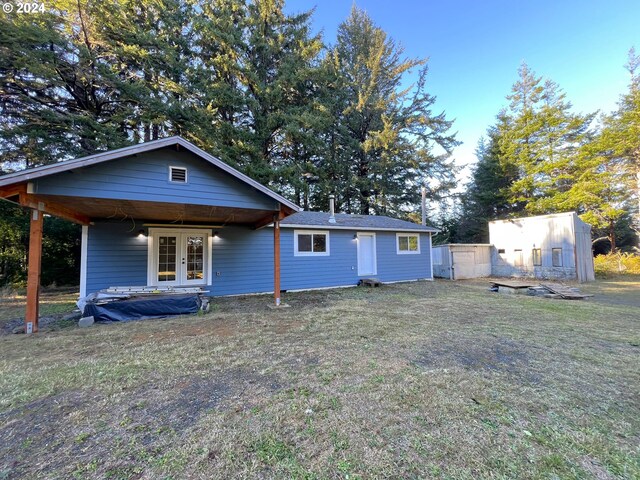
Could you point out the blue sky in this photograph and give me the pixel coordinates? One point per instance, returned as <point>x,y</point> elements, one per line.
<point>475,48</point>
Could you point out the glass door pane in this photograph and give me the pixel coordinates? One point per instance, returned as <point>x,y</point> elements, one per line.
<point>194,258</point>
<point>167,258</point>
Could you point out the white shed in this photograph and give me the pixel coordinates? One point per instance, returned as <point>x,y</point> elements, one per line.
<point>547,246</point>
<point>461,260</point>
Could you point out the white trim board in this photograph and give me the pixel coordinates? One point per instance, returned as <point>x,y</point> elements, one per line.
<point>431,256</point>
<point>355,229</point>
<point>83,260</point>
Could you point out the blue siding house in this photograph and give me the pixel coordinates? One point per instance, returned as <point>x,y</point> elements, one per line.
<point>166,213</point>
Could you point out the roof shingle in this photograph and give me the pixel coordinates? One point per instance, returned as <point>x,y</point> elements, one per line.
<point>346,221</point>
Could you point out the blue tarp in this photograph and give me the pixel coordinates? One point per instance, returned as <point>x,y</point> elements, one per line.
<point>148,306</point>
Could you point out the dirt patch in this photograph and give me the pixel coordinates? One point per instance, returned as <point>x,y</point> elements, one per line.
<point>83,424</point>
<point>209,327</point>
<point>490,354</point>
<point>44,323</point>
<point>285,327</point>
<point>595,468</point>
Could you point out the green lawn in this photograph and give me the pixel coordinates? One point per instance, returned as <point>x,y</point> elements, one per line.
<point>428,379</point>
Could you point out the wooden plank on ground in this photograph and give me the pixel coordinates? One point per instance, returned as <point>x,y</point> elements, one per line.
<point>513,284</point>
<point>566,292</point>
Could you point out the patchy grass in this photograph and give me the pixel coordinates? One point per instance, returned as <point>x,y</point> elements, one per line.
<point>429,379</point>
<point>54,304</point>
<point>616,289</point>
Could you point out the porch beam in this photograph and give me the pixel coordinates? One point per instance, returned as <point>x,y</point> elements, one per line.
<point>268,220</point>
<point>13,190</point>
<point>46,206</point>
<point>33,276</point>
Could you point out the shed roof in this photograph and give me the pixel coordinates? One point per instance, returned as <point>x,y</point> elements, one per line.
<point>535,217</point>
<point>350,222</point>
<point>463,245</point>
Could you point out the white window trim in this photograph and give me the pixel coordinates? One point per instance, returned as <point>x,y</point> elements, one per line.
<point>561,257</point>
<point>186,174</point>
<point>296,253</point>
<point>375,254</point>
<point>152,261</point>
<point>407,252</point>
<point>431,254</point>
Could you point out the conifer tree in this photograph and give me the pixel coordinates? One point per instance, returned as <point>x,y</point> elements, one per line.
<point>608,169</point>
<point>391,132</point>
<point>541,137</point>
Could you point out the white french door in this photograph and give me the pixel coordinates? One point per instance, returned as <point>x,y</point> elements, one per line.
<point>178,257</point>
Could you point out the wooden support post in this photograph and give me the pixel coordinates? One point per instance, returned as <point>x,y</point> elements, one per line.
<point>33,278</point>
<point>276,260</point>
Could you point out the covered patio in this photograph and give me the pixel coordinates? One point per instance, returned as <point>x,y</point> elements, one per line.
<point>164,185</point>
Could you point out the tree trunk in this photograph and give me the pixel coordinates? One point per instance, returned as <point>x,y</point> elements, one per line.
<point>612,237</point>
<point>638,212</point>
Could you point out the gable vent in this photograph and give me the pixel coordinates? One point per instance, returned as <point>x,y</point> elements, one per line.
<point>178,174</point>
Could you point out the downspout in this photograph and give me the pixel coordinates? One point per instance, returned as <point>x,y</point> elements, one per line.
<point>451,275</point>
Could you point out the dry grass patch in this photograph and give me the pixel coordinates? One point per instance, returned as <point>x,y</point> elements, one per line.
<point>429,379</point>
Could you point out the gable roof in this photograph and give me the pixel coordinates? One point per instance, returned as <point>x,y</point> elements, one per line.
<point>346,221</point>
<point>46,170</point>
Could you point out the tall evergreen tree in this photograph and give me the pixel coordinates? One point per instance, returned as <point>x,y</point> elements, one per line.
<point>54,101</point>
<point>392,134</point>
<point>607,173</point>
<point>541,137</point>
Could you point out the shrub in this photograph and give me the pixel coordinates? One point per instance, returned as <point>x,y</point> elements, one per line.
<point>616,264</point>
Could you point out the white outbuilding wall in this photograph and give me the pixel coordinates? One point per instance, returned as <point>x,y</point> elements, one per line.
<point>554,246</point>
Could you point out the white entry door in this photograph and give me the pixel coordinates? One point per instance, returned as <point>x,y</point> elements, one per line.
<point>178,258</point>
<point>367,264</point>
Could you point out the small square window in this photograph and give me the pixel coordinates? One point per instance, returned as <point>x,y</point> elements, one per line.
<point>556,257</point>
<point>177,174</point>
<point>536,255</point>
<point>501,251</point>
<point>408,243</point>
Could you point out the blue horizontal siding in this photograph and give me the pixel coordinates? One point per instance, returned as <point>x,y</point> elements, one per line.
<point>242,260</point>
<point>115,255</point>
<point>146,178</point>
<point>394,267</point>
